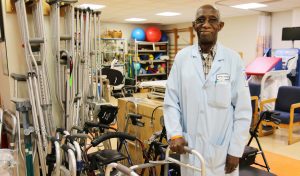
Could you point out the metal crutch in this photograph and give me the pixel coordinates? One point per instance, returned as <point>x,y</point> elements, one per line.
<point>24,106</point>
<point>37,73</point>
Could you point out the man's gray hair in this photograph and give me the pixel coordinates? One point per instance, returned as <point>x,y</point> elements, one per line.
<point>209,6</point>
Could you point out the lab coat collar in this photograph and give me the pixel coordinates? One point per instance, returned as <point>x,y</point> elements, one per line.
<point>216,65</point>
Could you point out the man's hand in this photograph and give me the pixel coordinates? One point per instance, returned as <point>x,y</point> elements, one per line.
<point>231,163</point>
<point>177,145</point>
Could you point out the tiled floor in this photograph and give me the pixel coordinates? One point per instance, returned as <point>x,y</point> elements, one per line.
<point>277,143</point>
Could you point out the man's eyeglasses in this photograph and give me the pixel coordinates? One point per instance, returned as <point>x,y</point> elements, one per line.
<point>202,20</point>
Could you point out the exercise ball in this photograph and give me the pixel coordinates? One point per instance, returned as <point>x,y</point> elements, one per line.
<point>138,34</point>
<point>164,37</point>
<point>153,34</point>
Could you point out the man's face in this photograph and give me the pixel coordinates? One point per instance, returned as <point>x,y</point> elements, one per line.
<point>207,25</point>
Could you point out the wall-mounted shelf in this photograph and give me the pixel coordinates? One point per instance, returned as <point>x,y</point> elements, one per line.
<point>148,55</point>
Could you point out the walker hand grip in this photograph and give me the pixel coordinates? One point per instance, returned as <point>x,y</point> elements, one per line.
<point>110,135</point>
<point>134,116</point>
<point>91,124</point>
<point>65,147</point>
<point>190,151</point>
<point>123,169</point>
<point>53,139</point>
<point>187,149</point>
<point>60,130</point>
<point>70,138</point>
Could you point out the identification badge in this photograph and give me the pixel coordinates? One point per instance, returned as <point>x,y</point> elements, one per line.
<point>223,77</point>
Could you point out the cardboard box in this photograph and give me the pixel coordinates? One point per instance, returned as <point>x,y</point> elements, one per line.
<point>144,107</point>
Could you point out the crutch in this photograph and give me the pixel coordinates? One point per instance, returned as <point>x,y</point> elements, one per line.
<point>38,87</point>
<point>94,54</point>
<point>23,106</point>
<point>99,85</point>
<point>63,47</point>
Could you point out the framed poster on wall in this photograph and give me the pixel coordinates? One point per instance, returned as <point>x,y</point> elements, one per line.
<point>3,54</point>
<point>3,57</point>
<point>2,36</point>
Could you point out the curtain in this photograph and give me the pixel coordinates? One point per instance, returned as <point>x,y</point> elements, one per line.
<point>263,33</point>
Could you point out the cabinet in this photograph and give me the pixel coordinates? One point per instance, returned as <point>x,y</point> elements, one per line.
<point>152,58</point>
<point>113,50</point>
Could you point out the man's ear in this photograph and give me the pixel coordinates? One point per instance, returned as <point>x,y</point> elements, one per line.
<point>194,25</point>
<point>221,25</point>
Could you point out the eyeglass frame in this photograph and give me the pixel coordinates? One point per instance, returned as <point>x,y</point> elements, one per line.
<point>209,20</point>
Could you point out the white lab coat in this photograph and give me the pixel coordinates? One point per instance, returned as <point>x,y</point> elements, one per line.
<point>213,114</point>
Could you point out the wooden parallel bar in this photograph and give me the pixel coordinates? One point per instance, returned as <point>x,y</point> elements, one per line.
<point>179,30</point>
<point>10,7</point>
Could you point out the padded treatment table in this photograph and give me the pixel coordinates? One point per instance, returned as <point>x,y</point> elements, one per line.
<point>262,65</point>
<point>157,88</point>
<point>253,171</point>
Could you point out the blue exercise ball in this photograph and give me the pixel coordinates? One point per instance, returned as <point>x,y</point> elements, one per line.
<point>164,37</point>
<point>138,34</point>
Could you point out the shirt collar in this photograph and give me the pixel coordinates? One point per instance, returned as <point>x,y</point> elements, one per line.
<point>213,50</point>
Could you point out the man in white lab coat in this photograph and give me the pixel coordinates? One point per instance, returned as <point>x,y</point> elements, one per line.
<point>207,102</point>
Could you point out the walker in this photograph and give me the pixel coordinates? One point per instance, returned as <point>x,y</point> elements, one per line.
<point>123,170</point>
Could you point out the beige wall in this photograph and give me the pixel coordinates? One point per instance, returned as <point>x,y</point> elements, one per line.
<point>239,33</point>
<point>280,20</point>
<point>284,19</point>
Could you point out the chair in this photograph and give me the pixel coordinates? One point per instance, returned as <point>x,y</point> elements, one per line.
<point>116,79</point>
<point>287,106</point>
<point>254,92</point>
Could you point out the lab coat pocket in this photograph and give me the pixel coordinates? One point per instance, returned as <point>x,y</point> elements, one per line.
<point>213,154</point>
<point>222,94</point>
<point>221,154</point>
<point>204,147</point>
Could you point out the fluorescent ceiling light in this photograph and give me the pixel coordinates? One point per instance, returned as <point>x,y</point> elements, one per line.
<point>168,14</point>
<point>135,19</point>
<point>249,6</point>
<point>92,6</point>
